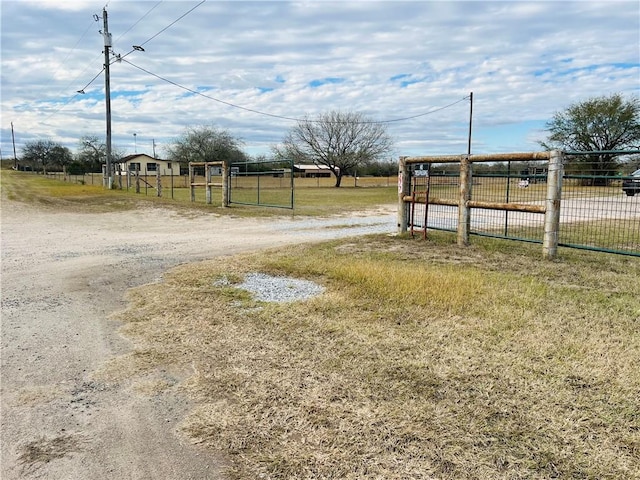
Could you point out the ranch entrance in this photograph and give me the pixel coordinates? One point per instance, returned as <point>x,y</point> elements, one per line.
<point>551,198</point>
<point>264,184</point>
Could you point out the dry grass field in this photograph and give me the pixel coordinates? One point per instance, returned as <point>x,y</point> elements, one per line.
<point>420,360</point>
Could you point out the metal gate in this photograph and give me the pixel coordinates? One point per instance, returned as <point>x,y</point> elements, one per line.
<point>264,183</point>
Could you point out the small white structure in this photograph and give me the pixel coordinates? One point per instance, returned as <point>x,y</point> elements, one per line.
<point>311,171</point>
<point>146,165</point>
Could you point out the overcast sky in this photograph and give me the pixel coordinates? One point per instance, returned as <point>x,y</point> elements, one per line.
<point>242,66</point>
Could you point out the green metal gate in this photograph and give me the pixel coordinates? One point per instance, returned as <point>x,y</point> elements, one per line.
<point>264,183</point>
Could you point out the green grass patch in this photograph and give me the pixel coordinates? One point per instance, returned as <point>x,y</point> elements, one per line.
<point>420,360</point>
<point>615,234</point>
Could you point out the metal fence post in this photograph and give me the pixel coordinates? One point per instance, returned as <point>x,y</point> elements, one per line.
<point>464,212</point>
<point>552,204</point>
<point>404,186</point>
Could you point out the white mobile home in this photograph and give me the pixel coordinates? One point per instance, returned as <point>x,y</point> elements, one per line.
<point>146,165</point>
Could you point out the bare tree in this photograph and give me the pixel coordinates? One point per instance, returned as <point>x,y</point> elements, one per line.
<point>340,141</point>
<point>92,153</point>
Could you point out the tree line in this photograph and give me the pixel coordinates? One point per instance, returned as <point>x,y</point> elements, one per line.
<point>349,143</point>
<point>44,155</point>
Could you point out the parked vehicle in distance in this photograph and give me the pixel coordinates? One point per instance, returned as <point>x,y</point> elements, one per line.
<point>631,186</point>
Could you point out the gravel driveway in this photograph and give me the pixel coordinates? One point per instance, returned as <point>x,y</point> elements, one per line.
<point>63,274</point>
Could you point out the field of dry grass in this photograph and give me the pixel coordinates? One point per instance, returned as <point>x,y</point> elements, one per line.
<point>420,360</point>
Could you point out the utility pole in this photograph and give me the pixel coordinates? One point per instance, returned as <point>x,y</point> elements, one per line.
<point>13,139</point>
<point>153,144</point>
<point>470,122</point>
<point>107,93</point>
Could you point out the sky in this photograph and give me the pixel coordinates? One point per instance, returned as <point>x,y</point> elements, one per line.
<point>254,69</point>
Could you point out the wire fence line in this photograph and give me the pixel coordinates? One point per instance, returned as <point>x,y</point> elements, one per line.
<point>182,181</point>
<point>595,212</point>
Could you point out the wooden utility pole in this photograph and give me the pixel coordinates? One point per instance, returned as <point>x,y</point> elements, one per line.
<point>107,94</point>
<point>13,139</point>
<point>470,122</point>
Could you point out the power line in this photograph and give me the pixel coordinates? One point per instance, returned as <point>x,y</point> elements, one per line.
<point>172,23</point>
<point>208,96</point>
<point>72,50</point>
<point>118,57</point>
<point>62,62</point>
<point>425,113</point>
<point>283,117</point>
<point>163,30</point>
<point>139,20</point>
<point>82,90</point>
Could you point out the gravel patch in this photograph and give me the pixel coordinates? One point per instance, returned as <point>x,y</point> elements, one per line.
<point>268,288</point>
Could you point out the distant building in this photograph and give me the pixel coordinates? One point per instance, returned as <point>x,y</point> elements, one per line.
<point>146,165</point>
<point>311,171</point>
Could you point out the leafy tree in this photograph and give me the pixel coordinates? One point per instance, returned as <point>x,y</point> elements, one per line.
<point>42,153</point>
<point>598,124</point>
<point>62,157</point>
<point>341,141</point>
<point>382,168</point>
<point>206,144</point>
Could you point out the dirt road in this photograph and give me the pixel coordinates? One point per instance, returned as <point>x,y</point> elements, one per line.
<point>63,275</point>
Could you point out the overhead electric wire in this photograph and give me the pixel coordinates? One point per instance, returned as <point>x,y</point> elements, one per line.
<point>164,29</point>
<point>466,97</point>
<point>119,57</point>
<point>208,96</point>
<point>172,23</point>
<point>139,20</point>
<point>91,81</point>
<point>72,49</point>
<point>62,62</point>
<point>282,117</point>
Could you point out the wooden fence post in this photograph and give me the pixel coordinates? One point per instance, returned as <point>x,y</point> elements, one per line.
<point>464,212</point>
<point>192,188</point>
<point>225,184</point>
<point>404,188</point>
<point>207,176</point>
<point>552,204</point>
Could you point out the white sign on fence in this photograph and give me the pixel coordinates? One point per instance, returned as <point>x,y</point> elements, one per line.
<point>420,171</point>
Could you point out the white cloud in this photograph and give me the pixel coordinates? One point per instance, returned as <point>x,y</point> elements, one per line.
<point>523,61</point>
